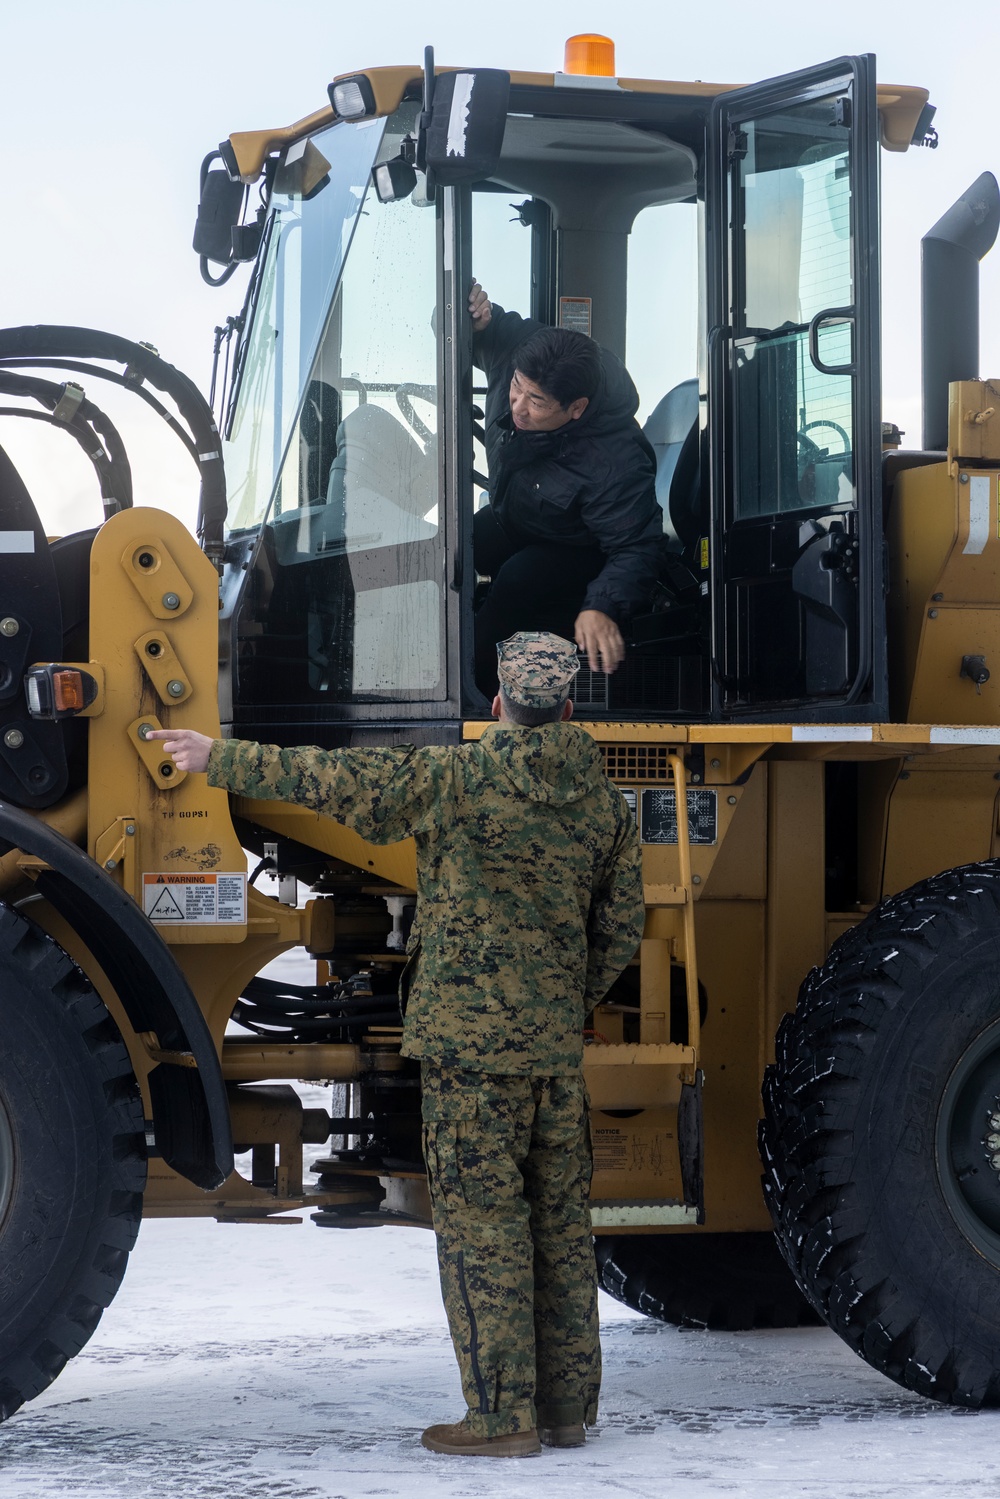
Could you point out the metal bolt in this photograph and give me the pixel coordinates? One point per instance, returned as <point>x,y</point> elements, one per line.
<point>731,800</point>
<point>696,879</point>
<point>171,601</point>
<point>13,739</point>
<point>144,730</point>
<point>695,780</point>
<point>963,478</point>
<point>175,688</point>
<point>110,863</point>
<point>154,648</point>
<point>9,626</point>
<point>937,597</point>
<point>716,764</point>
<point>130,830</point>
<point>166,770</point>
<point>904,775</point>
<point>932,614</point>
<point>145,559</point>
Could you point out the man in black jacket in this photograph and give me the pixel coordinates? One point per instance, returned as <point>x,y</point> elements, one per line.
<point>572,535</point>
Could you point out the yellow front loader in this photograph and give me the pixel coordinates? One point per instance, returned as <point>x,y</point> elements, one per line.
<point>806,726</point>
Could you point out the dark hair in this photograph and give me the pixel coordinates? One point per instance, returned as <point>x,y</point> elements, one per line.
<point>529,718</point>
<point>563,363</point>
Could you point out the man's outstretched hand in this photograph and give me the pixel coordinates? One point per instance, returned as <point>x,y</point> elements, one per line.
<point>188,749</point>
<point>599,636</point>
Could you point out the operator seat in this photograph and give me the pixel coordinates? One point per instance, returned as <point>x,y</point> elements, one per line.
<point>382,484</point>
<point>672,429</point>
<point>674,625</point>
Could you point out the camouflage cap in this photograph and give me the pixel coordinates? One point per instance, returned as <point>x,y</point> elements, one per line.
<point>537,669</point>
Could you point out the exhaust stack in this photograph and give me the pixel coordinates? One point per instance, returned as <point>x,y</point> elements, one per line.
<point>949,274</point>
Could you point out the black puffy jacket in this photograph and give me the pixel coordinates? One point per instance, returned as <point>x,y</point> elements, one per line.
<point>590,482</point>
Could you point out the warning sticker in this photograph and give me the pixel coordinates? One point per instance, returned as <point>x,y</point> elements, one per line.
<point>195,898</point>
<point>575,314</point>
<point>610,1148</point>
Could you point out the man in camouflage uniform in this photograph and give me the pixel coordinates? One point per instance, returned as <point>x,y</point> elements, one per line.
<point>530,904</point>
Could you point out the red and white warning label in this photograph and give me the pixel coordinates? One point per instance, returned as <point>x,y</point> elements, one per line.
<point>211,899</point>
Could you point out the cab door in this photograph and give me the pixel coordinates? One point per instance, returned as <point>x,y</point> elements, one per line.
<point>795,435</point>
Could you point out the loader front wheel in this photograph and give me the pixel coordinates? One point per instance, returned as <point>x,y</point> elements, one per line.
<point>881,1137</point>
<point>72,1159</point>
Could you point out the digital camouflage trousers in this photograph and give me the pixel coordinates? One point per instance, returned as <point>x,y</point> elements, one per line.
<point>509,1164</point>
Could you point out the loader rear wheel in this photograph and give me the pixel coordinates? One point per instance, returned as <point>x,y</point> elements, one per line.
<point>881,1137</point>
<point>729,1282</point>
<point>72,1159</point>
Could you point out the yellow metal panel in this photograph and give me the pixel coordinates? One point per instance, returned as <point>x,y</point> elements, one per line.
<point>899,108</point>
<point>937,820</point>
<point>796,915</point>
<point>974,421</point>
<point>740,870</point>
<point>949,633</point>
<point>731,967</point>
<point>634,1076</point>
<point>396,862</point>
<point>944,595</point>
<point>253,147</point>
<point>181,824</point>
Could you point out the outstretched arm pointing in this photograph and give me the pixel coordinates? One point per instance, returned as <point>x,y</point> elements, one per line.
<point>188,749</point>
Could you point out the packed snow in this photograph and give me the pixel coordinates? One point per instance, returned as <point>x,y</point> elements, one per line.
<point>284,1361</point>
<point>291,1362</point>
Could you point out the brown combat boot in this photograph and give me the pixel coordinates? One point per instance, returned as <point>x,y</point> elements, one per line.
<point>459,1441</point>
<point>563,1436</point>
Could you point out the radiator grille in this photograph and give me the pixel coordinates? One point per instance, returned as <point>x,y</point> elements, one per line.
<point>637,762</point>
<point>590,688</point>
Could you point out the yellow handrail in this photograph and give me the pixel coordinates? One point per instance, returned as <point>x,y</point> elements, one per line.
<point>684,862</point>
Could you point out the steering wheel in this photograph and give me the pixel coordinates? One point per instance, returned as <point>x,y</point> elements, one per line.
<point>822,422</point>
<point>405,404</point>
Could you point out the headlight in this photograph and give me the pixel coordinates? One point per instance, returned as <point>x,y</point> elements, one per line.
<point>352,98</point>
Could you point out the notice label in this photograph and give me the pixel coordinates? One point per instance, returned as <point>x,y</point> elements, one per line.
<point>659,816</point>
<point>209,899</point>
<point>575,314</point>
<point>610,1148</point>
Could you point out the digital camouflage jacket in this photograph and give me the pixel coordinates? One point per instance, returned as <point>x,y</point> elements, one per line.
<point>530,899</point>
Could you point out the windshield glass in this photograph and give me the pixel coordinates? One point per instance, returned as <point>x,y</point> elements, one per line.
<point>308,243</point>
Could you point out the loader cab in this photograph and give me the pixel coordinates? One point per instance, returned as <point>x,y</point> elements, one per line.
<point>724,244</point>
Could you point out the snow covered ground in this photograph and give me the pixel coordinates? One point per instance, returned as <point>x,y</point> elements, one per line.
<point>291,1362</point>
<point>285,1361</point>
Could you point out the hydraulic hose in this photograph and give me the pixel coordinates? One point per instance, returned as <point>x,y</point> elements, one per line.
<point>92,428</point>
<point>57,342</point>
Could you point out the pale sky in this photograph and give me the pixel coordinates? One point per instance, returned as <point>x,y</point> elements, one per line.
<point>109,108</point>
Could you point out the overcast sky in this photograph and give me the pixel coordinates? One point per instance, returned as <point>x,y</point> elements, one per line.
<point>109,108</point>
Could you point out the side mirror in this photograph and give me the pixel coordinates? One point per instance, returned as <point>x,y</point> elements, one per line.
<point>219,235</point>
<point>468,117</point>
<point>220,206</point>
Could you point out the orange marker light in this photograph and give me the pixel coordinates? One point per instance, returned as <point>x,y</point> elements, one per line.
<point>67,691</point>
<point>590,54</point>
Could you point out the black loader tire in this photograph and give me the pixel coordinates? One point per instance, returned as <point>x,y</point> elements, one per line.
<point>727,1282</point>
<point>72,1159</point>
<point>881,1137</point>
